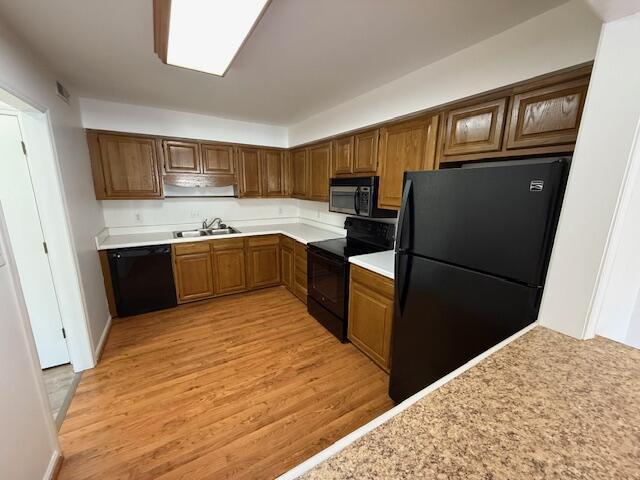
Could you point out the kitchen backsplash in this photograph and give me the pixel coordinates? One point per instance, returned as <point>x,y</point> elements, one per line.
<point>132,216</point>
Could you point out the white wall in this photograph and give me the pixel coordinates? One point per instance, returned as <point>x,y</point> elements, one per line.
<point>559,38</point>
<point>28,446</point>
<point>103,115</point>
<point>26,76</point>
<point>616,310</point>
<point>125,216</point>
<point>603,150</point>
<point>318,213</point>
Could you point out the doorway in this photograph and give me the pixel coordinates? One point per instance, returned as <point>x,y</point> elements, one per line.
<point>29,245</point>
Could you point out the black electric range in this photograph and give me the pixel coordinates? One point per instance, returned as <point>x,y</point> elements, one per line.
<point>328,270</point>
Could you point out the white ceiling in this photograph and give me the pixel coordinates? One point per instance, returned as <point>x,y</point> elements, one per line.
<point>304,57</point>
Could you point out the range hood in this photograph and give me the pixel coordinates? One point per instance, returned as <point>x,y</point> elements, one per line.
<point>181,185</point>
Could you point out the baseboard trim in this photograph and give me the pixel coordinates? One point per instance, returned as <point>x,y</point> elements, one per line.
<point>55,464</point>
<point>347,440</point>
<point>103,340</point>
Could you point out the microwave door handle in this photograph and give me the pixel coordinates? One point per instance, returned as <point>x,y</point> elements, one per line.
<point>356,201</point>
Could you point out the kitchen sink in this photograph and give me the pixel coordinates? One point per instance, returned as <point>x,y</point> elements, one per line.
<point>204,232</point>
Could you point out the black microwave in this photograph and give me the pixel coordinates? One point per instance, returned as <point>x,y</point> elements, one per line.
<point>357,196</point>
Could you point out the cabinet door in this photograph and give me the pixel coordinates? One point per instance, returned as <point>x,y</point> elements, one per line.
<point>193,274</point>
<point>250,172</point>
<point>371,315</point>
<point>127,166</point>
<point>287,268</point>
<point>299,173</point>
<point>476,128</point>
<point>300,271</point>
<point>263,261</point>
<point>547,116</point>
<point>273,173</point>
<point>229,274</point>
<point>407,146</point>
<point>342,156</point>
<point>365,158</point>
<point>319,165</point>
<point>181,157</point>
<point>217,159</point>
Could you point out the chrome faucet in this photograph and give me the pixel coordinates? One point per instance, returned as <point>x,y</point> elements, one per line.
<point>206,225</point>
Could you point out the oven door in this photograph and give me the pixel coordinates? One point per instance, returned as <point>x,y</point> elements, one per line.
<point>327,280</point>
<point>344,199</point>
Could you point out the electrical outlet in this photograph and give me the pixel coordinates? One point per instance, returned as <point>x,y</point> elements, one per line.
<point>138,217</point>
<point>279,210</point>
<point>194,214</point>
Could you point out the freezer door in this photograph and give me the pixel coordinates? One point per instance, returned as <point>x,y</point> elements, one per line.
<point>497,220</point>
<point>448,315</point>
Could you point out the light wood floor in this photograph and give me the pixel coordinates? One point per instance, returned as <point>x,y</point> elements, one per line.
<point>244,386</point>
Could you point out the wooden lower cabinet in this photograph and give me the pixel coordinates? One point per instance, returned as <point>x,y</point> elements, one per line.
<point>193,275</point>
<point>212,268</point>
<point>371,308</point>
<point>263,261</point>
<point>228,258</point>
<point>287,261</point>
<point>300,271</point>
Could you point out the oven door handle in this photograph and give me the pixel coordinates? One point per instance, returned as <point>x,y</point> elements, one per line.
<point>326,257</point>
<point>356,201</point>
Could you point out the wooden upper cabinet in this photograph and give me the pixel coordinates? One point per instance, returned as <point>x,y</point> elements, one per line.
<point>299,173</point>
<point>365,157</point>
<point>475,128</point>
<point>547,116</point>
<point>319,166</point>
<point>124,166</point>
<point>217,159</point>
<point>342,156</point>
<point>404,147</point>
<point>274,174</point>
<point>250,172</point>
<point>181,157</point>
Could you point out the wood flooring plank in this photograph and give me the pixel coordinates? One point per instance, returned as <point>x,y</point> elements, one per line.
<point>243,386</point>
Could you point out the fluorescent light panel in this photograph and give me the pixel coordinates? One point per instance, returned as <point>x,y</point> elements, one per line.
<point>205,35</point>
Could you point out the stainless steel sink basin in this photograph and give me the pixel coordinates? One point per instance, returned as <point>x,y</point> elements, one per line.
<point>204,232</point>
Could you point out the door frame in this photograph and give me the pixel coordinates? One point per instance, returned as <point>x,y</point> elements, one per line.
<point>37,132</point>
<point>38,219</point>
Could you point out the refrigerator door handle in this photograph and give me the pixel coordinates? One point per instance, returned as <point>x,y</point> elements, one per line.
<point>400,276</point>
<point>401,244</point>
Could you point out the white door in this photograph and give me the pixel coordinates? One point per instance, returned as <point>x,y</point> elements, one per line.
<point>27,241</point>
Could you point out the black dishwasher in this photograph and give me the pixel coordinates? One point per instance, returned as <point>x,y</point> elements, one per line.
<point>142,279</point>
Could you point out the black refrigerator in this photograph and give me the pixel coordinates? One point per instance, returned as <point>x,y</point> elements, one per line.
<point>472,250</point>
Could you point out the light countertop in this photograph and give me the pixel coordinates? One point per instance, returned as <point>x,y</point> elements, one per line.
<point>546,406</point>
<point>300,232</point>
<point>380,262</point>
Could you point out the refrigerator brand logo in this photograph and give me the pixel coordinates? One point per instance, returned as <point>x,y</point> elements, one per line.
<point>536,185</point>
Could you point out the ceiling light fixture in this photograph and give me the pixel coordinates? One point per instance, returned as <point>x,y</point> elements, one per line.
<point>203,35</point>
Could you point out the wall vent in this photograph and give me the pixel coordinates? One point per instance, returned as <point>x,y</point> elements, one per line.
<point>62,92</point>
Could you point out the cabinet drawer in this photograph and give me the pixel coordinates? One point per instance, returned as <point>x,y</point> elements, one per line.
<point>227,244</point>
<point>287,242</point>
<point>382,285</point>
<point>188,248</point>
<point>263,240</point>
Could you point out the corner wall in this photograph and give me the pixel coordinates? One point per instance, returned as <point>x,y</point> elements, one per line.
<point>121,117</point>
<point>602,154</point>
<point>559,38</point>
<point>25,76</point>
